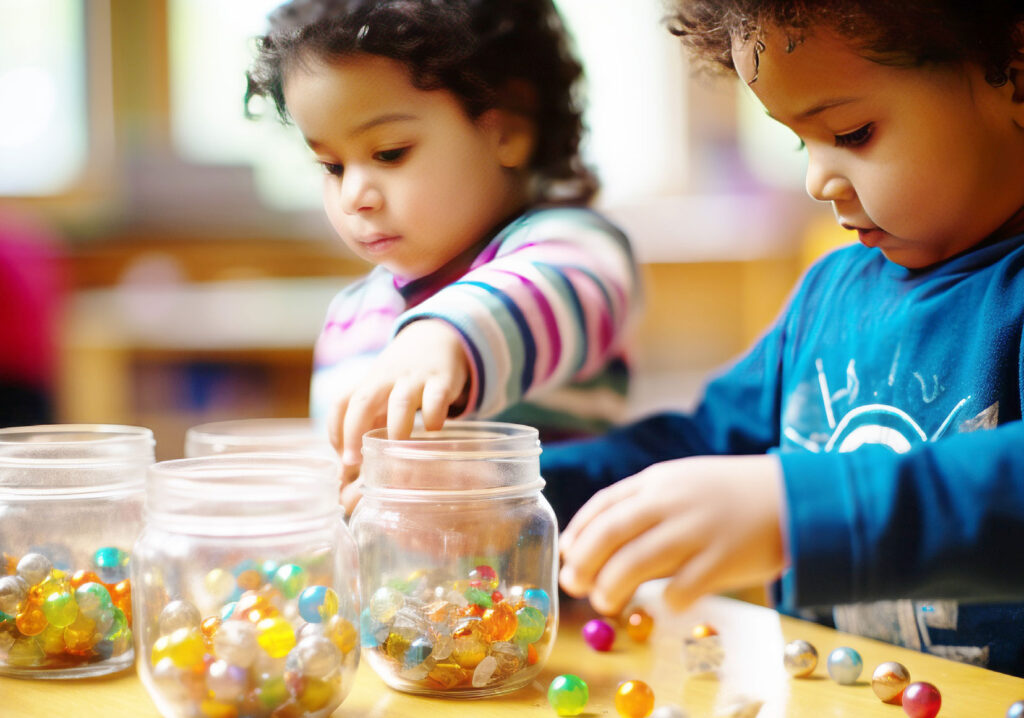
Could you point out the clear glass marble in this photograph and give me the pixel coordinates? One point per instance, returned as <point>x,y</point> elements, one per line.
<point>458,560</point>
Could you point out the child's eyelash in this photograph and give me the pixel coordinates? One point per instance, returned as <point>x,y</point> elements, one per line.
<point>856,138</point>
<point>392,155</point>
<point>335,170</point>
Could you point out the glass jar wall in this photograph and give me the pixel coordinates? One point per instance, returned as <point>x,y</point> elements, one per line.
<point>458,559</point>
<point>70,509</point>
<point>247,587</point>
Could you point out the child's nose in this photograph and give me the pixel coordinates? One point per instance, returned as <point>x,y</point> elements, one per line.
<point>359,193</point>
<point>826,182</point>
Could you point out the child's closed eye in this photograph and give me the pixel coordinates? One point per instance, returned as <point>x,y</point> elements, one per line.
<point>392,155</point>
<point>333,169</point>
<point>857,138</point>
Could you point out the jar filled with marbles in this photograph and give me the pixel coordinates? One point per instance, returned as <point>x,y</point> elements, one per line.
<point>290,435</point>
<point>458,559</point>
<point>247,600</point>
<point>70,509</point>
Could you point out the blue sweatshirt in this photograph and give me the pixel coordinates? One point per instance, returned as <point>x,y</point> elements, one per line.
<point>893,399</point>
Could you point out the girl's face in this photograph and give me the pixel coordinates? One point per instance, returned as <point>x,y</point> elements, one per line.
<point>411,181</point>
<point>922,162</point>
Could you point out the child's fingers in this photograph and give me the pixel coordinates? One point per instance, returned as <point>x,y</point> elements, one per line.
<point>348,474</point>
<point>335,424</point>
<point>655,553</point>
<point>599,540</point>
<point>364,408</point>
<point>403,402</point>
<point>597,504</point>
<point>350,496</point>
<point>437,397</point>
<point>693,580</point>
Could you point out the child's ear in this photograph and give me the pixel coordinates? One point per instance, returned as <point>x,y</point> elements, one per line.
<point>514,137</point>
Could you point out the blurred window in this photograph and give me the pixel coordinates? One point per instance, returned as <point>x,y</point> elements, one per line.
<point>770,150</point>
<point>636,110</point>
<point>211,46</point>
<point>44,125</point>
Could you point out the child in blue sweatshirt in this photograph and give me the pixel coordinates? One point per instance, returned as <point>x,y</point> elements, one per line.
<point>870,446</point>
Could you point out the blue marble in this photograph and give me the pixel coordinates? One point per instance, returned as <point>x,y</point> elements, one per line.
<point>845,666</point>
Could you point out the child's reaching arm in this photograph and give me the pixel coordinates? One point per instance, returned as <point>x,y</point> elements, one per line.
<point>711,523</point>
<point>547,302</point>
<point>944,520</point>
<point>423,367</point>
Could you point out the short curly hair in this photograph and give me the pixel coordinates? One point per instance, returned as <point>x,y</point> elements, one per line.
<point>512,54</point>
<point>906,33</point>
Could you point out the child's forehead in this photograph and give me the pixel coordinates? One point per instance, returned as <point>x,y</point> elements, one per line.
<point>794,71</point>
<point>780,46</point>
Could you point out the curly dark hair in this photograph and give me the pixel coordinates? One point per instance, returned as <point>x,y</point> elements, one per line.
<point>509,54</point>
<point>908,33</point>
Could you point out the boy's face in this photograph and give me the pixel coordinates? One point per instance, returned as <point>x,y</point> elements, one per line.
<point>922,162</point>
<point>410,180</point>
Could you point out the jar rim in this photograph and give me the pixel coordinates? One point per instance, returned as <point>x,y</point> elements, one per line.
<point>56,459</point>
<point>46,437</point>
<point>463,457</point>
<point>441,495</point>
<point>268,487</point>
<point>244,434</point>
<point>458,441</point>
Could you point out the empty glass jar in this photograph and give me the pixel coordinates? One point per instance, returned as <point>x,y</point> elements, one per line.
<point>70,509</point>
<point>458,559</point>
<point>246,580</point>
<point>292,435</point>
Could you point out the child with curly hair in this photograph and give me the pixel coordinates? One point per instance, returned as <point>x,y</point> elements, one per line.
<point>869,448</point>
<point>449,135</point>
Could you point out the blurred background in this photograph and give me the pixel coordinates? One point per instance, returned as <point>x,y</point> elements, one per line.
<point>165,262</point>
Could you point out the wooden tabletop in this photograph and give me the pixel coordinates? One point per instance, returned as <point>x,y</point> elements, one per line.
<point>752,636</point>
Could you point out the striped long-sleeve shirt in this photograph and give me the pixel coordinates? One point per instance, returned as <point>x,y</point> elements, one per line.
<point>542,309</point>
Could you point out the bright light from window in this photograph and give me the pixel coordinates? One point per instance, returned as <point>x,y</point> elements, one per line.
<point>211,48</point>
<point>636,86</point>
<point>43,128</point>
<point>635,98</point>
<point>770,149</point>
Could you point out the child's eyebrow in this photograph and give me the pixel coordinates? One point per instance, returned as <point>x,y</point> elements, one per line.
<point>316,145</point>
<point>382,120</point>
<point>822,106</point>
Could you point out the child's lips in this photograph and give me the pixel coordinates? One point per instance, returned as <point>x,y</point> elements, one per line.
<point>870,237</point>
<point>379,243</point>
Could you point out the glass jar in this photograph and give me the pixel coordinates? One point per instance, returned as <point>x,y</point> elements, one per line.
<point>247,587</point>
<point>70,509</point>
<point>299,436</point>
<point>458,559</point>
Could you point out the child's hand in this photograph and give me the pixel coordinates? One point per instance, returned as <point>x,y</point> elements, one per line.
<point>710,523</point>
<point>423,367</point>
<point>351,493</point>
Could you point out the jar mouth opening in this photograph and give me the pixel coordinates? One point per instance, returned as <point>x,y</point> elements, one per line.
<point>75,445</point>
<point>463,457</point>
<point>458,441</point>
<point>292,434</point>
<point>271,487</point>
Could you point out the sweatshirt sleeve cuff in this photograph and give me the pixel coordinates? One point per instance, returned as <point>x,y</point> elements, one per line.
<point>819,531</point>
